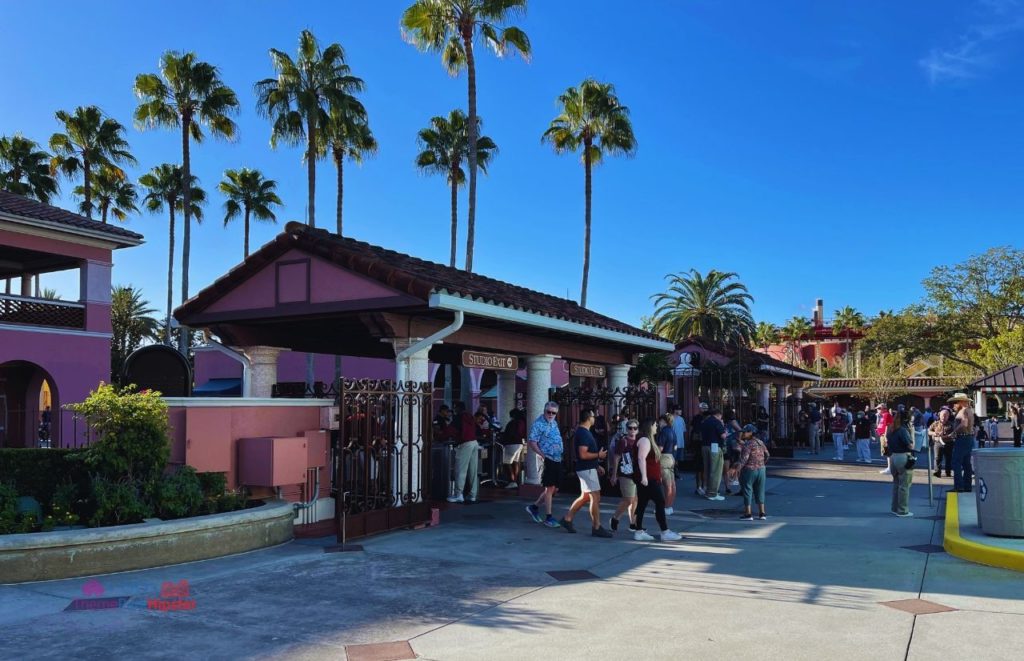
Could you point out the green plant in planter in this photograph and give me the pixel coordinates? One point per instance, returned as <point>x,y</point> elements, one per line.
<point>133,444</point>
<point>117,503</point>
<point>180,494</point>
<point>231,501</point>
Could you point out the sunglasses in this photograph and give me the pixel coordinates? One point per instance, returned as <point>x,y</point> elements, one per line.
<point>632,427</point>
<point>550,412</point>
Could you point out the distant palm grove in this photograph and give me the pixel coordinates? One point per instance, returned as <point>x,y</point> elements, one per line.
<point>310,98</point>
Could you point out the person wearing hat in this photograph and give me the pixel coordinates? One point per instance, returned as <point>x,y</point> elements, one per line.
<point>751,466</point>
<point>963,441</point>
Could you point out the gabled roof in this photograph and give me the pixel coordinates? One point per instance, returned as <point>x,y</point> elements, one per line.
<point>24,208</point>
<point>411,275</point>
<point>753,358</point>
<point>1010,379</point>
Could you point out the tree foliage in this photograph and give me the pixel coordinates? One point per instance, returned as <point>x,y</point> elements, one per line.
<point>714,306</point>
<point>249,195</point>
<point>25,169</point>
<point>132,323</point>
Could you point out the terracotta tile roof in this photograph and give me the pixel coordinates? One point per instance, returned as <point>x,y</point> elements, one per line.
<point>1010,379</point>
<point>411,275</point>
<point>16,205</point>
<point>941,382</point>
<point>751,357</point>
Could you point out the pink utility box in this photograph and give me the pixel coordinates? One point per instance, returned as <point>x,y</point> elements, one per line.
<point>272,461</point>
<point>317,446</point>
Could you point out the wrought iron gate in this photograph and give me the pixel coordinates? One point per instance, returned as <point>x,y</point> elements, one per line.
<point>381,457</point>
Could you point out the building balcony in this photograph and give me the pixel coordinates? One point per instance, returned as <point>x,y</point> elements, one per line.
<point>24,310</point>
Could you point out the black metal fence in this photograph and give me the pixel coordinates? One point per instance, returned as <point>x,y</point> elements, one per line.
<point>33,428</point>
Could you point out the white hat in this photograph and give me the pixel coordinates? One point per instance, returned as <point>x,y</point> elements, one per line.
<point>959,397</point>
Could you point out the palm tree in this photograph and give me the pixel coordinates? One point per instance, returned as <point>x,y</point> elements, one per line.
<point>765,335</point>
<point>445,146</point>
<point>846,322</point>
<point>189,95</point>
<point>450,27</point>
<point>90,142</point>
<point>49,294</point>
<point>25,169</point>
<point>592,119</point>
<point>113,193</point>
<point>348,136</point>
<point>249,195</point>
<point>712,306</point>
<point>164,183</point>
<point>302,97</point>
<point>795,331</point>
<point>131,323</point>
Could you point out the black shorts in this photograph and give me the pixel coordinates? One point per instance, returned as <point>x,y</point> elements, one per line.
<point>552,476</point>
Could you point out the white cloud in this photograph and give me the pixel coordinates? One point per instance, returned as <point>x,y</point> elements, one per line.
<point>974,52</point>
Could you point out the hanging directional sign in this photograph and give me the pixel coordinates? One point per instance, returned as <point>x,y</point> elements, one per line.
<point>585,369</point>
<point>491,361</point>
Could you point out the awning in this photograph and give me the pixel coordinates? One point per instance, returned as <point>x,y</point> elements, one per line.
<point>219,388</point>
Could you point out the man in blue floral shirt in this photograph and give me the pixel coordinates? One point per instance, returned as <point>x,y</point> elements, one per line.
<point>545,438</point>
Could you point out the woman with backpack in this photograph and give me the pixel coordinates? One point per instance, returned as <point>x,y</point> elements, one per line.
<point>647,459</point>
<point>622,455</point>
<point>751,465</point>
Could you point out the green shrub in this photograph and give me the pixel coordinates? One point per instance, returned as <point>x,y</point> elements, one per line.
<point>133,444</point>
<point>231,501</point>
<point>213,484</point>
<point>38,472</point>
<point>117,502</point>
<point>180,494</point>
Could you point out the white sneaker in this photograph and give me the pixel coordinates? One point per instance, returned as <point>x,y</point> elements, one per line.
<point>885,471</point>
<point>668,511</point>
<point>455,499</point>
<point>642,536</point>
<point>669,536</point>
<point>512,485</point>
<point>716,497</point>
<point>701,491</point>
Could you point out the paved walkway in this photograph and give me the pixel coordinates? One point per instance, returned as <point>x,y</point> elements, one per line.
<point>809,583</point>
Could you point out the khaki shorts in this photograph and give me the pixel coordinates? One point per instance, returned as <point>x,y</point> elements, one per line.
<point>589,481</point>
<point>513,453</point>
<point>668,475</point>
<point>627,486</point>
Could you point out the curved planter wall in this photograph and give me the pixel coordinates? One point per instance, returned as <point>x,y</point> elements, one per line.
<point>53,555</point>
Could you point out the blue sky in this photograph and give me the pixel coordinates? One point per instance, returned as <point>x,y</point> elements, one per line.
<point>819,149</point>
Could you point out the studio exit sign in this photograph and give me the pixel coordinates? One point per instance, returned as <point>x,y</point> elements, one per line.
<point>586,369</point>
<point>491,361</point>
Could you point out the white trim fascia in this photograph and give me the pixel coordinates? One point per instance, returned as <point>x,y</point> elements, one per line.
<point>237,402</point>
<point>52,230</point>
<point>446,301</point>
<point>788,372</point>
<point>52,330</point>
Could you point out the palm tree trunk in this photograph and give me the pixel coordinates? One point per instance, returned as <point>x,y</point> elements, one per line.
<point>311,172</point>
<point>170,277</point>
<point>246,232</point>
<point>586,234</point>
<point>467,40</point>
<point>455,218</point>
<point>103,211</point>
<point>339,161</point>
<point>186,235</point>
<point>87,185</point>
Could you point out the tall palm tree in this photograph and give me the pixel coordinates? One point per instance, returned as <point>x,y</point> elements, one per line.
<point>765,335</point>
<point>796,331</point>
<point>188,94</point>
<point>348,136</point>
<point>445,147</point>
<point>713,306</point>
<point>249,195</point>
<point>166,190</point>
<point>846,322</point>
<point>25,169</point>
<point>113,193</point>
<point>131,323</point>
<point>592,119</point>
<point>450,27</point>
<point>302,97</point>
<point>89,143</point>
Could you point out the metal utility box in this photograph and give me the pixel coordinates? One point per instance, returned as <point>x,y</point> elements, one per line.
<point>329,417</point>
<point>316,444</point>
<point>999,487</point>
<point>272,461</point>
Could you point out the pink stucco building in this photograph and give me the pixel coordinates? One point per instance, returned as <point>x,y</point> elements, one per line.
<point>52,352</point>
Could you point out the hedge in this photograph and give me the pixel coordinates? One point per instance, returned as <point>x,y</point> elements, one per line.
<point>38,472</point>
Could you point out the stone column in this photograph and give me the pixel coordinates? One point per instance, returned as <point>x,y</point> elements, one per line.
<point>781,424</point>
<point>506,394</point>
<point>980,404</point>
<point>538,381</point>
<point>410,444</point>
<point>264,369</point>
<point>618,381</point>
<point>764,395</point>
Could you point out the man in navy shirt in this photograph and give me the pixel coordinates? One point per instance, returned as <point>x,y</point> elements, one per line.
<point>588,456</point>
<point>712,441</point>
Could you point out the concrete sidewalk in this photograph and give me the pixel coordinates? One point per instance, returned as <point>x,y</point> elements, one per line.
<point>809,583</point>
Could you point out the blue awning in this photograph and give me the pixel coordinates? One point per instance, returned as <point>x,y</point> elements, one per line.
<point>219,388</point>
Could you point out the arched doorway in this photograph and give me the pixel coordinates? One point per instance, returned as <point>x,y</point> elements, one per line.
<point>29,406</point>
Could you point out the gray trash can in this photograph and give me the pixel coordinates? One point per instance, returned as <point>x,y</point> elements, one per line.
<point>999,486</point>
